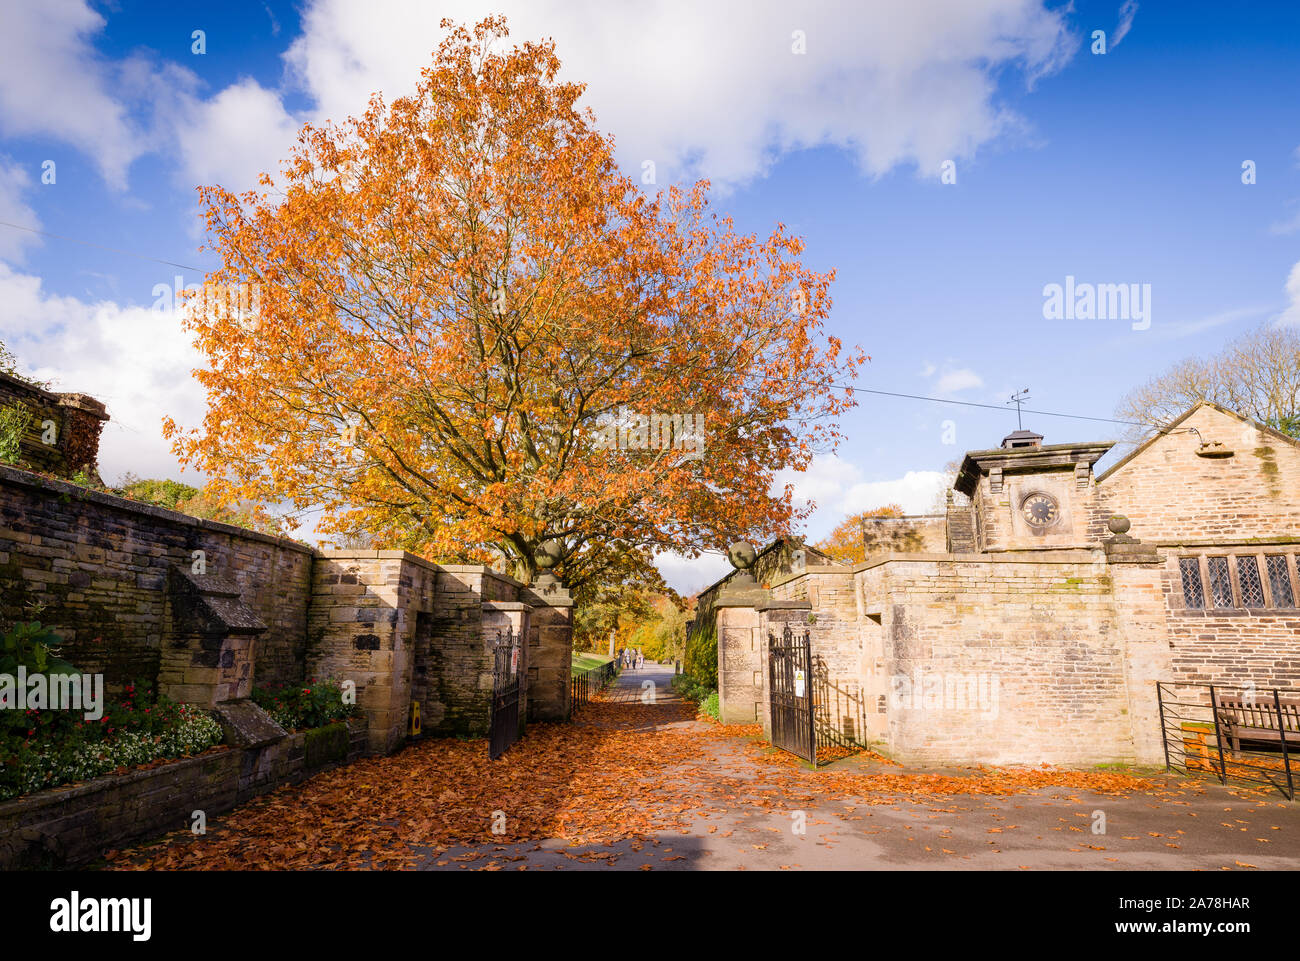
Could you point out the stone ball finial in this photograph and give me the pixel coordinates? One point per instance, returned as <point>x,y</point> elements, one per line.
<point>549,553</point>
<point>742,555</point>
<point>1118,524</point>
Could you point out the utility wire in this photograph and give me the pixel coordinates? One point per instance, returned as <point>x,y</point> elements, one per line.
<point>116,250</point>
<point>852,388</point>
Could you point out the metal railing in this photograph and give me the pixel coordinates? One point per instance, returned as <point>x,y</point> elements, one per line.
<point>1244,734</point>
<point>585,685</point>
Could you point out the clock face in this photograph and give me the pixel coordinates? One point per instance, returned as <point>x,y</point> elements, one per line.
<point>1040,511</point>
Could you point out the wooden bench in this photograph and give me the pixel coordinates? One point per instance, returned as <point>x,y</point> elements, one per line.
<point>1256,722</point>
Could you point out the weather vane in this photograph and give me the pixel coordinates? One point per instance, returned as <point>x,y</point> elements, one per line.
<point>1018,398</point>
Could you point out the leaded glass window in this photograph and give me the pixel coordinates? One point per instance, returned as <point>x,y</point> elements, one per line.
<point>1193,591</point>
<point>1279,580</point>
<point>1220,581</point>
<point>1252,590</point>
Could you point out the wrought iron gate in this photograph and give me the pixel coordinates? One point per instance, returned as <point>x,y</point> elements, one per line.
<point>504,725</point>
<point>790,691</point>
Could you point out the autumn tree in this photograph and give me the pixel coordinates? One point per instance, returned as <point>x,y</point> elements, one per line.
<point>462,316</point>
<point>1257,374</point>
<point>844,543</point>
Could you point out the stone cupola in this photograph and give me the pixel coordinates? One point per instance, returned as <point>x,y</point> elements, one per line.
<point>1027,495</point>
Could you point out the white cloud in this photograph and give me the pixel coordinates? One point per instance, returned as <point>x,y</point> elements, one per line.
<point>54,84</point>
<point>915,492</point>
<point>134,359</point>
<point>1290,317</point>
<point>963,378</point>
<point>838,489</point>
<point>1127,11</point>
<point>230,139</point>
<point>688,575</point>
<point>895,82</point>
<point>14,181</point>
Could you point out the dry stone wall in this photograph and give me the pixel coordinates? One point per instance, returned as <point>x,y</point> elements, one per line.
<point>99,564</point>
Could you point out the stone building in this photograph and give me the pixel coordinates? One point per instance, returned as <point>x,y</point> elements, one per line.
<point>1031,622</point>
<point>206,609</point>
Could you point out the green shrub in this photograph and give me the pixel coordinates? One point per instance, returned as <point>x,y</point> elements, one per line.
<point>298,706</point>
<point>702,654</point>
<point>709,705</point>
<point>31,646</point>
<point>704,696</point>
<point>14,423</point>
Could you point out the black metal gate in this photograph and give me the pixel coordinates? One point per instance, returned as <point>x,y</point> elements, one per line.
<point>504,725</point>
<point>789,670</point>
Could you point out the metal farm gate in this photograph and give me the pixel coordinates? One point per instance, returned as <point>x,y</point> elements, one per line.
<point>789,667</point>
<point>1246,734</point>
<point>504,725</point>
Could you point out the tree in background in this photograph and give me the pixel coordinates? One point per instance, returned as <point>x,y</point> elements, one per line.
<point>844,543</point>
<point>1257,374</point>
<point>609,611</point>
<point>460,301</point>
<point>176,496</point>
<point>662,636</point>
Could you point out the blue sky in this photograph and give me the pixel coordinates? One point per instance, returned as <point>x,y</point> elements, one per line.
<point>1117,168</point>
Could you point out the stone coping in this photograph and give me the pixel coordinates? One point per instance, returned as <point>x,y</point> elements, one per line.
<point>775,605</point>
<point>741,597</point>
<point>557,599</point>
<point>56,398</point>
<point>506,606</point>
<point>418,561</point>
<point>46,485</point>
<point>821,570</point>
<point>1076,556</point>
<point>65,792</point>
<point>1279,541</point>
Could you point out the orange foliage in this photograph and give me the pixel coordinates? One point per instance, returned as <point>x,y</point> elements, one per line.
<point>845,544</point>
<point>454,294</point>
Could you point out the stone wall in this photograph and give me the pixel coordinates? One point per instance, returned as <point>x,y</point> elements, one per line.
<point>407,630</point>
<point>70,826</point>
<point>923,533</point>
<point>397,625</point>
<point>550,657</point>
<point>742,690</point>
<point>63,436</point>
<point>1008,659</point>
<point>100,564</point>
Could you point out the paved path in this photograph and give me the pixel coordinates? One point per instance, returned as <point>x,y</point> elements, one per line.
<point>1193,825</point>
<point>637,783</point>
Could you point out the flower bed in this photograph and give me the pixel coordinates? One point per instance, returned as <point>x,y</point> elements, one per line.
<point>47,748</point>
<point>296,707</point>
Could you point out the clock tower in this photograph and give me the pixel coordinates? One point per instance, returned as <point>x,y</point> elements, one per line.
<point>1027,495</point>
